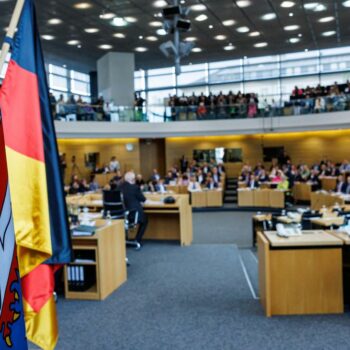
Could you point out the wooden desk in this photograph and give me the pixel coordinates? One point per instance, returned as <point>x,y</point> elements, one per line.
<point>215,198</point>
<point>261,198</point>
<point>169,221</point>
<point>346,263</point>
<point>329,183</point>
<point>267,198</point>
<point>259,224</point>
<point>107,248</point>
<point>198,199</point>
<point>245,198</point>
<point>300,275</point>
<point>166,221</point>
<point>179,189</point>
<point>277,198</point>
<point>328,222</point>
<point>321,199</point>
<point>302,191</point>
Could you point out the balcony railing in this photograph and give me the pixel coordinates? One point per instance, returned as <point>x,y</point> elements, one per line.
<point>159,114</point>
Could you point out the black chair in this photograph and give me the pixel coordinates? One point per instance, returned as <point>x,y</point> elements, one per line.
<point>114,208</point>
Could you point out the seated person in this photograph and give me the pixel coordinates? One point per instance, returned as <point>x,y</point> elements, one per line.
<point>194,185</point>
<point>200,177</point>
<point>221,169</point>
<point>169,178</point>
<point>284,183</point>
<point>314,180</point>
<point>155,176</point>
<point>210,184</point>
<point>133,200</point>
<point>341,185</point>
<point>159,186</point>
<point>140,182</point>
<point>347,191</point>
<point>215,174</point>
<point>263,176</point>
<point>94,186</point>
<point>74,185</point>
<point>253,182</point>
<point>183,181</point>
<point>83,186</point>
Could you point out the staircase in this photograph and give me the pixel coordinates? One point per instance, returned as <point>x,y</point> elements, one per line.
<point>230,196</point>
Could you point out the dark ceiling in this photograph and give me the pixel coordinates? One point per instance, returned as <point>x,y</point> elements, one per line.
<point>74,22</point>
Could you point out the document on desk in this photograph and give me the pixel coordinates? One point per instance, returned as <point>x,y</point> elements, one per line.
<point>150,202</point>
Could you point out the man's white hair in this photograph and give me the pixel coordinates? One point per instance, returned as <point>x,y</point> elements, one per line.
<point>130,177</point>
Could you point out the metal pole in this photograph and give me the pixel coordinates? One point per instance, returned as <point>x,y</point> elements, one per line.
<point>11,31</point>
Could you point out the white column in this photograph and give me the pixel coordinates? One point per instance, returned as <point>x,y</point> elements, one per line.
<point>115,73</point>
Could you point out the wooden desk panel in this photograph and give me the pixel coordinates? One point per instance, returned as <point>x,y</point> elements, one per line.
<point>214,198</point>
<point>277,199</point>
<point>261,198</point>
<point>199,199</point>
<point>329,183</point>
<point>294,281</point>
<point>245,198</point>
<point>302,191</point>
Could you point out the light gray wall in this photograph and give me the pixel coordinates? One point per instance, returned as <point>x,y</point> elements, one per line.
<point>324,121</point>
<point>115,73</point>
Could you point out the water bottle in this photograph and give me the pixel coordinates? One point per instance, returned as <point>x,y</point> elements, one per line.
<point>109,218</point>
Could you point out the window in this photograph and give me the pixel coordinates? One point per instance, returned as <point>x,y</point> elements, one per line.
<point>80,83</point>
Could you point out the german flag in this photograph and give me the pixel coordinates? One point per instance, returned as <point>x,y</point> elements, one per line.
<point>39,209</point>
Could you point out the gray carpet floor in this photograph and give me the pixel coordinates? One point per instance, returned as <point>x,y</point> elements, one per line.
<point>223,227</point>
<point>192,298</point>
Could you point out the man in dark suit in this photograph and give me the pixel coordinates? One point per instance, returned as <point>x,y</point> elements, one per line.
<point>341,185</point>
<point>133,200</point>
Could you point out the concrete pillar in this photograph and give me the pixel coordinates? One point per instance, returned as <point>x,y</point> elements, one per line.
<point>116,77</point>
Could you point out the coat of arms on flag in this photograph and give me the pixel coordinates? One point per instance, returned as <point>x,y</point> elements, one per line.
<point>12,330</point>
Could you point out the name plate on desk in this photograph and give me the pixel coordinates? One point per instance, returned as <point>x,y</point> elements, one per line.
<point>84,231</point>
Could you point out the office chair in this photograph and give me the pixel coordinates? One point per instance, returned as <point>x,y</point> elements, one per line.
<point>114,208</point>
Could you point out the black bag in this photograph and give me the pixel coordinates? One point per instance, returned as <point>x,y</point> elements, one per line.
<point>169,200</point>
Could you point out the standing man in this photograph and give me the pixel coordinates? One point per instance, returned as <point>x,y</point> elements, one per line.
<point>133,200</point>
<point>114,165</point>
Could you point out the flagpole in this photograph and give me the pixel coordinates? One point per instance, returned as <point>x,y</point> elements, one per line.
<point>11,31</point>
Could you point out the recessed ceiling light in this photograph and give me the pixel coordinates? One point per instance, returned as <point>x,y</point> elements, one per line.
<point>228,22</point>
<point>268,16</point>
<point>156,24</point>
<point>196,49</point>
<point>290,14</point>
<point>82,5</point>
<point>47,37</point>
<point>151,38</point>
<point>329,33</point>
<point>310,5</point>
<point>346,3</point>
<point>107,15</point>
<point>190,38</point>
<point>287,4</point>
<point>105,47</point>
<point>198,7</point>
<point>326,19</point>
<point>300,35</point>
<point>160,3</point>
<point>141,49</point>
<point>259,45</point>
<point>140,37</point>
<point>320,7</point>
<point>54,21</point>
<point>119,35</point>
<point>161,32</point>
<point>119,22</point>
<point>254,34</point>
<point>294,40</point>
<point>211,26</point>
<point>229,47</point>
<point>291,27</point>
<point>243,3</point>
<point>130,19</point>
<point>91,30</point>
<point>79,46</point>
<point>201,17</point>
<point>220,37</point>
<point>306,50</point>
<point>242,29</point>
<point>73,42</point>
